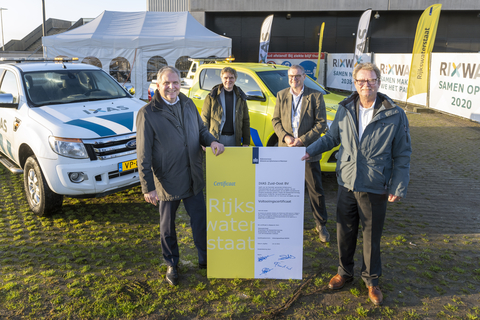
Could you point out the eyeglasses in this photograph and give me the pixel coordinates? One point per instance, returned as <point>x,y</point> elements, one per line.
<point>296,76</point>
<point>362,82</point>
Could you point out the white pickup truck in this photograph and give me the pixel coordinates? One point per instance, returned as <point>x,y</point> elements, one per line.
<point>69,128</point>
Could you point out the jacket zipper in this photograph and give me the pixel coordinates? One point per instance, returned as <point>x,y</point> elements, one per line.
<point>352,123</point>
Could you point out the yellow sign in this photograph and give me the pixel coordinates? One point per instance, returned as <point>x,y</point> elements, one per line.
<point>422,47</point>
<point>231,214</point>
<point>255,199</point>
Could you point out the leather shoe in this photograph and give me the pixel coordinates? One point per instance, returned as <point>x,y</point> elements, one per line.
<point>323,234</point>
<point>172,275</point>
<point>202,266</point>
<point>375,295</point>
<point>337,282</point>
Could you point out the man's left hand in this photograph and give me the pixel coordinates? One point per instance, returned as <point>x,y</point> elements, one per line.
<point>393,198</point>
<point>296,143</point>
<point>217,148</point>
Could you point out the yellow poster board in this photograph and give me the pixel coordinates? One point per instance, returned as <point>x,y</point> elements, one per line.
<point>230,213</point>
<point>254,203</point>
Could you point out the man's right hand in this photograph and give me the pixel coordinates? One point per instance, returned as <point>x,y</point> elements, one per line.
<point>151,197</point>
<point>217,148</point>
<point>306,156</point>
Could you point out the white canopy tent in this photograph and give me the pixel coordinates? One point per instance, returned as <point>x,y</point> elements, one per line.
<point>137,37</point>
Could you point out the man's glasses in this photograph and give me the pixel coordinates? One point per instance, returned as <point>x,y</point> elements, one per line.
<point>370,81</point>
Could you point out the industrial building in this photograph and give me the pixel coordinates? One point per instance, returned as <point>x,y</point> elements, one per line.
<point>296,24</point>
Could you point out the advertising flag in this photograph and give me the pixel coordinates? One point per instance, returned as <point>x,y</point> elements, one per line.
<point>362,36</point>
<point>422,47</point>
<point>265,39</point>
<point>319,51</point>
<point>361,40</point>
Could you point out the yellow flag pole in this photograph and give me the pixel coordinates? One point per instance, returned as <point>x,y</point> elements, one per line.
<point>319,50</point>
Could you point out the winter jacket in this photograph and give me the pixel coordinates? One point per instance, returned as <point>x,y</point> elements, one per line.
<point>213,114</point>
<point>380,162</point>
<point>169,154</point>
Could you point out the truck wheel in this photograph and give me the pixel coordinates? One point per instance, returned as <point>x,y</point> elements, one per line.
<point>41,199</point>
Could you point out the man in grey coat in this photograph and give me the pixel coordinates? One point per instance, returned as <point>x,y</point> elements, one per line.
<point>299,119</point>
<point>170,134</point>
<point>373,165</point>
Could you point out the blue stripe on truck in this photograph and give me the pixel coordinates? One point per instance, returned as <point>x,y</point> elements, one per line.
<point>125,119</point>
<point>255,138</point>
<point>98,129</point>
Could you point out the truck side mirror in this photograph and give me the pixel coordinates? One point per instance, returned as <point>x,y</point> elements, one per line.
<point>6,101</point>
<point>255,96</point>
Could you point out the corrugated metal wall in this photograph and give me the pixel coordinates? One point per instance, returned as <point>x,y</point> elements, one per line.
<point>167,5</point>
<point>393,32</point>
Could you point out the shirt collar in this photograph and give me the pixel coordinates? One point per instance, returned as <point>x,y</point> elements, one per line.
<point>293,94</point>
<point>372,107</point>
<point>169,103</point>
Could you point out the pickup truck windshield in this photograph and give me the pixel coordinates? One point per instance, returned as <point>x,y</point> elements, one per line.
<point>277,80</point>
<point>67,86</point>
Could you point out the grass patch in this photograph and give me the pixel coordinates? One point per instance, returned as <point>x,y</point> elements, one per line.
<point>101,259</point>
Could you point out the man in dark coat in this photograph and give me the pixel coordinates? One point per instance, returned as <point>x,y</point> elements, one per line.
<point>170,134</point>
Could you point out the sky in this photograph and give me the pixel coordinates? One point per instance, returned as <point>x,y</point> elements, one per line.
<point>23,16</point>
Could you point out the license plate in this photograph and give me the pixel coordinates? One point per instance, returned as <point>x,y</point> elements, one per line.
<point>127,165</point>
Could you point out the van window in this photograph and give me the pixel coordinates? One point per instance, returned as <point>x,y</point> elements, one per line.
<point>9,85</point>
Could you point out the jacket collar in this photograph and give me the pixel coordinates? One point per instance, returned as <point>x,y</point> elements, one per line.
<point>383,102</point>
<point>158,104</point>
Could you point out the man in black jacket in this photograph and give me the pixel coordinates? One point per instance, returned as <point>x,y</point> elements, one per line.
<point>170,134</point>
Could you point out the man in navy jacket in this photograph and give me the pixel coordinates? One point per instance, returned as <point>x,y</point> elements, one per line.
<point>373,165</point>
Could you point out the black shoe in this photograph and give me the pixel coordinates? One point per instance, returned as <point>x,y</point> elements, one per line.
<point>172,276</point>
<point>202,266</point>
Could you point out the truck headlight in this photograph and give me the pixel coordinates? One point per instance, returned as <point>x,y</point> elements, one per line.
<point>71,148</point>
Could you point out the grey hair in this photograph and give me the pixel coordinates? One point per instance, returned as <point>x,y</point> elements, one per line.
<point>366,66</point>
<point>165,70</point>
<point>298,67</point>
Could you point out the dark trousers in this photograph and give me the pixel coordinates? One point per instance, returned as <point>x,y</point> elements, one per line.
<point>369,209</point>
<point>313,179</point>
<point>197,211</point>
